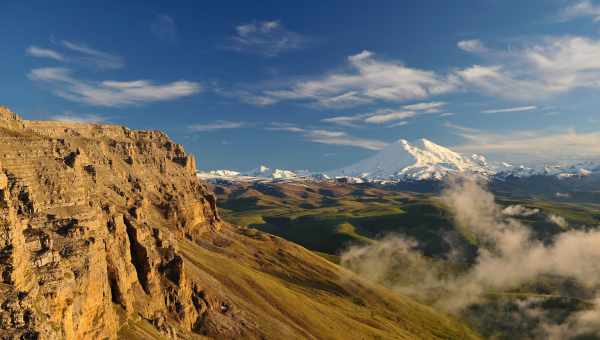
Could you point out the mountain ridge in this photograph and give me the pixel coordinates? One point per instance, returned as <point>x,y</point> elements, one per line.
<point>420,160</point>
<point>107,233</point>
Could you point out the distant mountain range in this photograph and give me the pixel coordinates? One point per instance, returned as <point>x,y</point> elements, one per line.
<point>421,160</point>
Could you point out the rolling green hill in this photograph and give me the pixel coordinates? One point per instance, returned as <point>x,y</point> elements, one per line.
<point>329,217</point>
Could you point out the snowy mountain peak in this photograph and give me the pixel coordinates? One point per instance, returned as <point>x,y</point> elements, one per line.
<point>419,160</point>
<point>264,171</point>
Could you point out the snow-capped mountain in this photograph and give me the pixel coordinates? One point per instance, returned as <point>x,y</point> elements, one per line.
<point>561,171</point>
<point>261,173</point>
<point>264,171</point>
<point>420,160</point>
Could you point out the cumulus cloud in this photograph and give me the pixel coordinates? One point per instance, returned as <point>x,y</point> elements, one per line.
<point>519,210</point>
<point>217,125</point>
<point>110,92</point>
<point>558,220</point>
<point>268,38</point>
<point>40,52</point>
<point>474,46</point>
<point>330,137</point>
<point>509,256</point>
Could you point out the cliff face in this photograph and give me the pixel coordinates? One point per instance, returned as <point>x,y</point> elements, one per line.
<point>88,219</point>
<point>106,233</point>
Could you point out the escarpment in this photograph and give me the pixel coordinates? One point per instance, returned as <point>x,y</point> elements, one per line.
<point>88,219</point>
<point>106,233</point>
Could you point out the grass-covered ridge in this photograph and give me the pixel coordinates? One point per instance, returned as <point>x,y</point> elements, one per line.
<point>329,217</point>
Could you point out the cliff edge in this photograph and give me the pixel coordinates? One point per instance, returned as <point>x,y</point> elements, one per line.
<point>106,233</point>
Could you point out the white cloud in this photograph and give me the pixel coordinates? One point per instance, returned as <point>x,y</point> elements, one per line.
<point>346,120</point>
<point>269,38</point>
<point>217,125</point>
<point>367,79</point>
<point>77,54</point>
<point>330,137</point>
<point>518,210</point>
<point>342,138</point>
<point>110,92</point>
<point>511,109</point>
<point>91,56</point>
<point>381,116</point>
<point>447,114</point>
<point>496,81</point>
<point>164,28</point>
<point>581,9</point>
<point>347,99</point>
<point>558,220</point>
<point>79,118</point>
<point>549,67</point>
<point>40,52</point>
<point>537,71</point>
<point>389,116</point>
<point>431,107</point>
<point>474,46</point>
<point>530,146</point>
<point>399,124</point>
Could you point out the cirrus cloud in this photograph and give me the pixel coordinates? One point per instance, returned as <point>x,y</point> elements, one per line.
<point>40,52</point>
<point>217,125</point>
<point>268,38</point>
<point>366,80</point>
<point>110,92</point>
<point>330,137</point>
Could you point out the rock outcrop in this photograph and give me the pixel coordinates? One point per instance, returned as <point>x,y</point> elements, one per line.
<point>88,219</point>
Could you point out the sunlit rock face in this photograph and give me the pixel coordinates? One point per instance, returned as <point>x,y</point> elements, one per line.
<point>88,218</point>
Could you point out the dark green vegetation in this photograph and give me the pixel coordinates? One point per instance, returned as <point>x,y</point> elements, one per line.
<point>327,217</point>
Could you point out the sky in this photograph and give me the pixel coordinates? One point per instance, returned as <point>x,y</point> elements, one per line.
<point>315,85</point>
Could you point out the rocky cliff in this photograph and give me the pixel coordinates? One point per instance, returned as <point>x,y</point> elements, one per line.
<point>106,233</point>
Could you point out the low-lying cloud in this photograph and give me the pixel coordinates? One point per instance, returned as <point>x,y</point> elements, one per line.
<point>509,256</point>
<point>519,210</point>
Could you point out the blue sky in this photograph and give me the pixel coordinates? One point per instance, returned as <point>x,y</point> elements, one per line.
<point>319,84</point>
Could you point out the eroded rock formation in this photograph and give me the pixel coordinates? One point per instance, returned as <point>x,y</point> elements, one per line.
<point>88,218</point>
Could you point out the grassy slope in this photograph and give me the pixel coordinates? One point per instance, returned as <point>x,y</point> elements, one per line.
<point>279,290</point>
<point>328,219</point>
